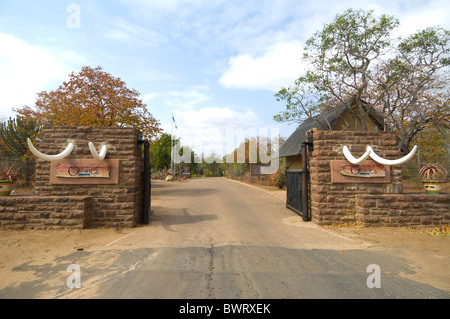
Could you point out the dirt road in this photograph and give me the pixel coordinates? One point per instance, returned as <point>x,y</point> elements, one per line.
<point>217,238</point>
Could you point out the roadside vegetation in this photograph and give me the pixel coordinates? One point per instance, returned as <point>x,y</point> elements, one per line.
<point>215,166</point>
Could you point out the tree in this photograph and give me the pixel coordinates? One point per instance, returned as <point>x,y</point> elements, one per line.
<point>355,55</point>
<point>411,89</point>
<point>339,57</point>
<point>93,97</point>
<point>160,152</point>
<point>253,150</point>
<point>433,145</point>
<point>13,144</point>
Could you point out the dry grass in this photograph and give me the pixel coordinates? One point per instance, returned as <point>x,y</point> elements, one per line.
<point>433,230</point>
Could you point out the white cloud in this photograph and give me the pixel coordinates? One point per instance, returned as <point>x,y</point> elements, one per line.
<point>280,65</point>
<point>27,70</point>
<point>187,98</point>
<point>121,30</point>
<point>148,97</point>
<point>430,14</point>
<point>205,129</point>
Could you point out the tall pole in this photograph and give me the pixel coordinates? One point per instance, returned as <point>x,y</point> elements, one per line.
<point>171,148</point>
<point>172,163</point>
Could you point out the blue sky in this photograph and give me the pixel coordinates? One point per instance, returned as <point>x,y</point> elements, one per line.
<point>213,64</point>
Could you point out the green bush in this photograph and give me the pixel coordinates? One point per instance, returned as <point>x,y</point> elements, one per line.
<point>280,179</point>
<point>159,174</point>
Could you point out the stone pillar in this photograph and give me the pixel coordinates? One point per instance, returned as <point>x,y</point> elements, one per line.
<point>335,203</point>
<point>116,205</point>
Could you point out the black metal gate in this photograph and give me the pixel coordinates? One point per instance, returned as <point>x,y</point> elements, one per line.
<point>297,182</point>
<point>297,193</point>
<point>294,191</point>
<point>146,181</point>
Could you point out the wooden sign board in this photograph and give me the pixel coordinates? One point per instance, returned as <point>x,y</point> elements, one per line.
<point>366,172</point>
<point>363,171</point>
<point>84,171</point>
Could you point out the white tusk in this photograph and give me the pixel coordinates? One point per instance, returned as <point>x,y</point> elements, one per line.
<point>399,161</point>
<point>95,154</point>
<point>353,160</point>
<point>46,157</point>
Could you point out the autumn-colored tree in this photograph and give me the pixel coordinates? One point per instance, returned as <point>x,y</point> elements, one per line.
<point>433,145</point>
<point>253,150</point>
<point>93,97</point>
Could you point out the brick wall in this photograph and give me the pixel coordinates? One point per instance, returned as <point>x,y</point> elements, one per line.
<point>86,205</point>
<point>32,212</point>
<point>403,210</point>
<point>335,203</point>
<point>112,205</point>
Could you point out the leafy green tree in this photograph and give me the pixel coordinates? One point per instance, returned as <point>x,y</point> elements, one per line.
<point>339,57</point>
<point>160,156</point>
<point>355,55</point>
<point>411,89</point>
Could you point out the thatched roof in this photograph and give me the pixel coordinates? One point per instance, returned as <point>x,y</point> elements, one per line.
<point>324,121</point>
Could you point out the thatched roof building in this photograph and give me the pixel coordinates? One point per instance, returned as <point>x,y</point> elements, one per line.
<point>344,116</point>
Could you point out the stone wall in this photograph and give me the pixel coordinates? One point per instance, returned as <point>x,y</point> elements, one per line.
<point>32,212</point>
<point>403,210</point>
<point>366,203</point>
<point>111,205</point>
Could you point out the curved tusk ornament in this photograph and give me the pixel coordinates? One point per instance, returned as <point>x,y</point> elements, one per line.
<point>50,158</point>
<point>399,161</point>
<point>370,152</point>
<point>353,160</point>
<point>95,154</point>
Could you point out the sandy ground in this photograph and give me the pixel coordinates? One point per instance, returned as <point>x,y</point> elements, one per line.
<point>428,249</point>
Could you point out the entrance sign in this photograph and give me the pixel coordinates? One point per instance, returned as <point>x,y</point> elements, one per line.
<point>364,171</point>
<point>369,172</point>
<point>84,171</point>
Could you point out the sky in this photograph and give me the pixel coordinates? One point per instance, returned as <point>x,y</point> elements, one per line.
<point>213,65</point>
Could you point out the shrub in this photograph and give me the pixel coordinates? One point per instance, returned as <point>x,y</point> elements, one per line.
<point>280,179</point>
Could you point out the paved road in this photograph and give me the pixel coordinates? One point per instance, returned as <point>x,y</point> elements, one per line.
<point>217,238</point>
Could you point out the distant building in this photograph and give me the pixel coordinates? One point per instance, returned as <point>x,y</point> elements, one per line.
<point>344,116</point>
<point>186,171</point>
